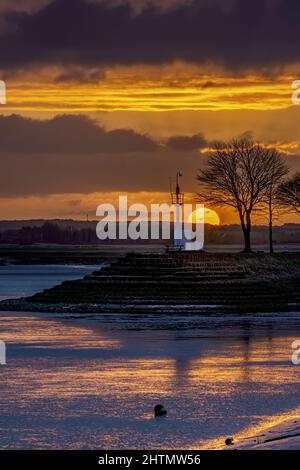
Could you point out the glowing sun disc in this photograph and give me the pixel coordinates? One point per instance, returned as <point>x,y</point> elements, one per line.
<point>210,217</point>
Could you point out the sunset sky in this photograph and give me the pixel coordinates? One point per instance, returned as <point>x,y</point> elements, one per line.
<point>110,97</point>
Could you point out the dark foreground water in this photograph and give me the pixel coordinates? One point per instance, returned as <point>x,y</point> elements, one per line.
<point>92,382</point>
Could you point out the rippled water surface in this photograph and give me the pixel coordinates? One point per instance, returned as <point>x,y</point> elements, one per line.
<point>92,382</point>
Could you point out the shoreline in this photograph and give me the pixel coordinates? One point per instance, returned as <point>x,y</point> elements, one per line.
<point>274,432</point>
<point>282,436</point>
<point>23,305</point>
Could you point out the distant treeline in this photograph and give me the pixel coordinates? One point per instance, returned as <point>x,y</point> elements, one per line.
<point>50,232</point>
<point>84,233</point>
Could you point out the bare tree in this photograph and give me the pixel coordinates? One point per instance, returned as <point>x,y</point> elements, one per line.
<point>289,193</point>
<point>238,174</point>
<point>277,172</point>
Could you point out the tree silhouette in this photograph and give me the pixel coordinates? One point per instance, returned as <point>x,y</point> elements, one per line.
<point>289,193</point>
<point>238,174</point>
<point>277,172</point>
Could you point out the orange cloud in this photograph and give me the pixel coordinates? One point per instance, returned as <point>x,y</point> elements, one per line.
<point>179,87</point>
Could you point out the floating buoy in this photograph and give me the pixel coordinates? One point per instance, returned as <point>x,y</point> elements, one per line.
<point>229,441</point>
<point>159,410</point>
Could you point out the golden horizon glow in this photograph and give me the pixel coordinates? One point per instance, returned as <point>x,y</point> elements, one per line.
<point>76,206</point>
<point>286,148</point>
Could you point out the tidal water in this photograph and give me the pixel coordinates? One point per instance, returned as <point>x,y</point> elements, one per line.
<point>91,382</point>
<point>21,280</point>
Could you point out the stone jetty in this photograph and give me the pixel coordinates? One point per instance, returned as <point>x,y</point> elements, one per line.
<point>189,282</point>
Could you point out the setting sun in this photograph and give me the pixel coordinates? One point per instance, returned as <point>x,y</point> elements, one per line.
<point>210,216</point>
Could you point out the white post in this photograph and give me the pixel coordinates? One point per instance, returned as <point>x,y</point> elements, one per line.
<point>178,234</point>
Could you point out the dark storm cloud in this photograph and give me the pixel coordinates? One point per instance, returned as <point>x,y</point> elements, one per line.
<point>186,143</point>
<point>67,134</point>
<point>22,5</point>
<point>81,74</point>
<point>72,154</point>
<point>78,134</point>
<point>252,33</point>
<point>34,174</point>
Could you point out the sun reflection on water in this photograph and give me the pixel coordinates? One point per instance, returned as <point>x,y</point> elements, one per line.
<point>72,385</point>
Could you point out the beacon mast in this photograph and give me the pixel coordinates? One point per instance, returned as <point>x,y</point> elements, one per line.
<point>178,201</point>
